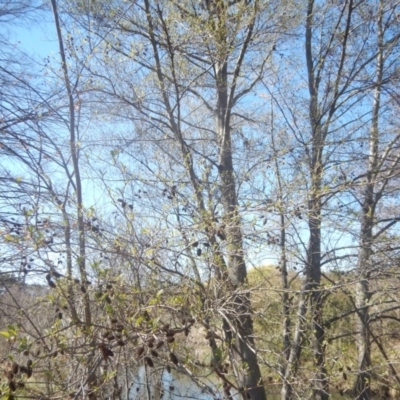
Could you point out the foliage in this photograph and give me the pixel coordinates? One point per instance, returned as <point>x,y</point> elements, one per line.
<point>155,162</point>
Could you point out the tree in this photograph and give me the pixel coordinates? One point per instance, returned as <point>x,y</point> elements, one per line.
<point>381,166</point>
<point>333,68</point>
<point>170,148</point>
<point>196,56</point>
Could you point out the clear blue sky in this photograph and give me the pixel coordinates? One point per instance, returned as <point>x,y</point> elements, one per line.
<point>38,38</point>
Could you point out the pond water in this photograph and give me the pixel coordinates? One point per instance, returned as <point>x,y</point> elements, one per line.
<point>158,383</point>
<point>149,383</point>
<point>155,384</point>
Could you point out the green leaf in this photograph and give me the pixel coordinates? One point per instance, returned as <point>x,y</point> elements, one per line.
<point>109,309</point>
<point>5,334</point>
<point>11,329</point>
<point>218,354</point>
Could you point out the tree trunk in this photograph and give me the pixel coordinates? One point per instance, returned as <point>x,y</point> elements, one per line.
<point>74,148</point>
<point>239,327</point>
<point>363,381</point>
<point>320,386</point>
<point>283,269</point>
<point>362,387</point>
<point>313,273</point>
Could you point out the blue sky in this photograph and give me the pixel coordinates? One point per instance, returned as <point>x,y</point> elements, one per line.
<point>37,38</point>
<point>39,41</point>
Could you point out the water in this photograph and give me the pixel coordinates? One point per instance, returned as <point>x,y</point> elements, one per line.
<point>158,383</point>
<point>152,383</point>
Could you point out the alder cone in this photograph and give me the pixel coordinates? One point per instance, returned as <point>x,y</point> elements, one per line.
<point>149,362</point>
<point>154,353</point>
<point>139,352</point>
<point>12,386</point>
<point>173,358</point>
<point>105,351</point>
<point>15,368</point>
<point>23,369</point>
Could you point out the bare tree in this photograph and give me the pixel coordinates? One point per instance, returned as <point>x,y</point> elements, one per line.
<point>197,56</point>
<point>382,166</point>
<point>168,150</point>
